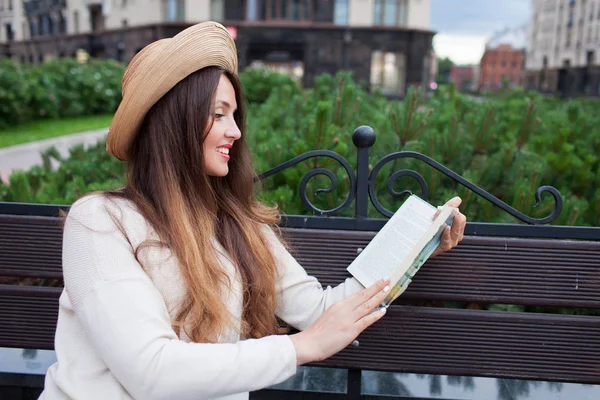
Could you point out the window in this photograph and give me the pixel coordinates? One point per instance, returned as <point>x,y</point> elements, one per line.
<point>377,10</point>
<point>388,72</point>
<point>589,58</point>
<point>10,4</point>
<point>174,10</point>
<point>340,13</point>
<point>62,25</point>
<point>291,10</point>
<point>45,25</point>
<point>571,17</point>
<point>217,9</point>
<point>76,21</point>
<point>390,12</point>
<point>9,32</point>
<point>403,13</point>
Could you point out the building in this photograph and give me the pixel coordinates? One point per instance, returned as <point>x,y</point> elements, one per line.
<point>563,46</point>
<point>466,77</point>
<point>384,42</point>
<point>501,65</point>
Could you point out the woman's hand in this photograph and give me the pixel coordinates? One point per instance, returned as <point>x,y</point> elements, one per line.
<point>452,235</point>
<point>340,324</point>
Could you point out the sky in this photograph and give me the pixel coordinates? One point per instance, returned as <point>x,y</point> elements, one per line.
<point>464,26</point>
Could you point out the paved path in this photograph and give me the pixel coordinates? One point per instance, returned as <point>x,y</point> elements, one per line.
<point>25,156</point>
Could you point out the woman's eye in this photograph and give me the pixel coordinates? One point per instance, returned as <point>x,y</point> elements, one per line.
<point>219,116</point>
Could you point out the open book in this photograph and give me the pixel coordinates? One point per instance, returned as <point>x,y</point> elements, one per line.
<point>402,246</point>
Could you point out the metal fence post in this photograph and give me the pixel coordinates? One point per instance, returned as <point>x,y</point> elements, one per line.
<point>363,137</point>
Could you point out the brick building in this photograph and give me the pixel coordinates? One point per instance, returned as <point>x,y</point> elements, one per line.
<point>466,77</point>
<point>384,42</point>
<point>500,64</point>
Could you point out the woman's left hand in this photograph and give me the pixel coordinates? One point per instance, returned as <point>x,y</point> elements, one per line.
<point>452,235</point>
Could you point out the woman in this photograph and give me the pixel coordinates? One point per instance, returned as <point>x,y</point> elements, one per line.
<point>173,284</point>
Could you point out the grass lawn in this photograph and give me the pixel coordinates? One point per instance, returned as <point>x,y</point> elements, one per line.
<point>46,129</point>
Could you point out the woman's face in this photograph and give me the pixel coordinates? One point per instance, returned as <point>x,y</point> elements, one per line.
<point>224,131</point>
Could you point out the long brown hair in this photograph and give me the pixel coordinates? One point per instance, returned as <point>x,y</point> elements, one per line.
<point>189,209</point>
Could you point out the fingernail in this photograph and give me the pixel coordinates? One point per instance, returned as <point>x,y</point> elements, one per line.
<point>383,310</point>
<point>386,289</point>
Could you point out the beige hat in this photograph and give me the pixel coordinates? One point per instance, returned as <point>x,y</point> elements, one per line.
<point>157,68</point>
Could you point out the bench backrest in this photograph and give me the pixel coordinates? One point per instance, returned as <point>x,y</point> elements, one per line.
<point>418,335</point>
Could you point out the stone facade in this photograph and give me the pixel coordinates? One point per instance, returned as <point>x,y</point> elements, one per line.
<point>563,47</point>
<point>315,41</point>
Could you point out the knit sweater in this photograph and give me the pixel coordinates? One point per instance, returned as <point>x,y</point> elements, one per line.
<point>114,338</point>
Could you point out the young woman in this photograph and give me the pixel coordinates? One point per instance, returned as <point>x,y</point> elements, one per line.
<point>174,284</point>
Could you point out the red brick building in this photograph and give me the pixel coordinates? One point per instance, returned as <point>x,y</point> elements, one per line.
<point>465,77</point>
<point>500,63</point>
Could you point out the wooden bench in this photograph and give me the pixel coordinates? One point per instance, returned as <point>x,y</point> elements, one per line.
<point>532,266</point>
<point>414,336</point>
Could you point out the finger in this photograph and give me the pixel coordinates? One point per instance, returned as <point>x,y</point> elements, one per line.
<point>370,319</point>
<point>463,223</point>
<point>364,295</point>
<point>446,239</point>
<point>375,301</point>
<point>454,202</point>
<point>458,228</point>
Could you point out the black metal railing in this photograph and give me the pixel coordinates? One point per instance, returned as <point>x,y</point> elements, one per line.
<point>362,182</point>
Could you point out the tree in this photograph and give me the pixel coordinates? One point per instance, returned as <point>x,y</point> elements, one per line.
<point>444,66</point>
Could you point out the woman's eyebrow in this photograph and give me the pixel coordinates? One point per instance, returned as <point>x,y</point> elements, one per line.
<point>225,103</point>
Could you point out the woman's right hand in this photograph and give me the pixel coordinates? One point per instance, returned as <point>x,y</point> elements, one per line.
<point>340,324</point>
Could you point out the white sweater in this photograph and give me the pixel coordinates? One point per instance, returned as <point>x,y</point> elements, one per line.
<point>114,338</point>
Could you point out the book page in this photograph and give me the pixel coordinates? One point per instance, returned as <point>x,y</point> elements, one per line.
<point>394,242</point>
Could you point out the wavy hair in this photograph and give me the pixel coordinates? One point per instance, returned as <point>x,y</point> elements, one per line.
<point>189,209</point>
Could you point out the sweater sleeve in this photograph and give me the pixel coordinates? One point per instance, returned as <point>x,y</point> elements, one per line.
<point>127,323</point>
<point>302,299</point>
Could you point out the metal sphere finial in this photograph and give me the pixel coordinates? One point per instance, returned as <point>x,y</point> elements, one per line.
<point>364,136</point>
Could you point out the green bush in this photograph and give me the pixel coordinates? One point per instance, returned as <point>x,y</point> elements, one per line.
<point>258,83</point>
<point>14,94</point>
<point>58,88</point>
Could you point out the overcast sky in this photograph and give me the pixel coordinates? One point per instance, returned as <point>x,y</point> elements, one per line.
<point>464,26</point>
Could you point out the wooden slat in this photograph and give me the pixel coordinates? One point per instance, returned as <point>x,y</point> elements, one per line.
<point>28,316</point>
<point>407,339</point>
<point>482,270</point>
<point>481,343</point>
<point>30,247</point>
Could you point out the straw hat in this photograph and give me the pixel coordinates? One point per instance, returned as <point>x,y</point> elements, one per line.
<point>157,68</point>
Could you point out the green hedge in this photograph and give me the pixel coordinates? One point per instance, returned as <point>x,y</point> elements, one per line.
<point>508,145</point>
<point>57,88</point>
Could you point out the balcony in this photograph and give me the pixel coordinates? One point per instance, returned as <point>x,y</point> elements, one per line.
<point>35,7</point>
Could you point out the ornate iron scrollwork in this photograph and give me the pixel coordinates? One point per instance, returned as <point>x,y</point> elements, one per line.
<point>364,138</point>
<point>319,171</point>
<point>459,179</point>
